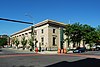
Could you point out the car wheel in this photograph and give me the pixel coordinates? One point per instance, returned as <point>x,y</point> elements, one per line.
<point>97,49</point>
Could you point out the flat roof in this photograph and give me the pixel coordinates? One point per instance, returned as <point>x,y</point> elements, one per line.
<point>49,22</point>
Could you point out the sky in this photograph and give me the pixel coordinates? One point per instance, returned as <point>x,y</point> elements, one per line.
<point>66,11</point>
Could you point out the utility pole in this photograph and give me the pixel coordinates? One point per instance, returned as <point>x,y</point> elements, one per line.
<point>32,30</point>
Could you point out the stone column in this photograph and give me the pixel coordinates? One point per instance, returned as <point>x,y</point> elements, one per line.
<point>59,45</point>
<point>65,45</point>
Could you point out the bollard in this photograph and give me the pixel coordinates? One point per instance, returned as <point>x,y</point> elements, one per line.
<point>65,51</point>
<point>59,51</point>
<point>36,50</point>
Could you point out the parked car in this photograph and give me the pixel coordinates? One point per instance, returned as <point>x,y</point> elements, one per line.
<point>95,48</point>
<point>79,50</point>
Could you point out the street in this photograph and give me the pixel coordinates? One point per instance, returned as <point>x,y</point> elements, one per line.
<point>9,58</point>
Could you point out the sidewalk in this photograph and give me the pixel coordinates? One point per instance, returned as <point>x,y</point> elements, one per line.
<point>48,52</point>
<point>28,51</point>
<point>20,50</point>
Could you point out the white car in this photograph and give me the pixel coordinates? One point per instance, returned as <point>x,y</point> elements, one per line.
<point>95,47</point>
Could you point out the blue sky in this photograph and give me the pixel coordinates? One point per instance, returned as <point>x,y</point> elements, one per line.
<point>83,11</point>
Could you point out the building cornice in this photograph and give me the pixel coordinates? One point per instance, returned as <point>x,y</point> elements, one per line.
<point>50,22</point>
<point>47,21</point>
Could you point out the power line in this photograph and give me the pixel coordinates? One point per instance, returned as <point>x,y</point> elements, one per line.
<point>15,21</point>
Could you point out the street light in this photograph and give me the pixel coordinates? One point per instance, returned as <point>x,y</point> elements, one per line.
<point>32,29</point>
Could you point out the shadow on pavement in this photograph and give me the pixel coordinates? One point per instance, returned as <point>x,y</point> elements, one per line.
<point>90,62</point>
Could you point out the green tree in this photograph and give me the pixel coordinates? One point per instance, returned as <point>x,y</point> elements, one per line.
<point>13,40</point>
<point>67,32</point>
<point>89,35</point>
<point>76,34</point>
<point>30,41</point>
<point>3,41</point>
<point>16,42</point>
<point>24,42</point>
<point>98,31</point>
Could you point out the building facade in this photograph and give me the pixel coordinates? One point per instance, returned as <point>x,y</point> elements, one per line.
<point>48,34</point>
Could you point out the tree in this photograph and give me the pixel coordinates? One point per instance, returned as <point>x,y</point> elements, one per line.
<point>98,31</point>
<point>30,41</point>
<point>67,32</point>
<point>76,34</point>
<point>3,41</point>
<point>24,42</point>
<point>13,40</point>
<point>98,28</point>
<point>89,35</point>
<point>17,42</point>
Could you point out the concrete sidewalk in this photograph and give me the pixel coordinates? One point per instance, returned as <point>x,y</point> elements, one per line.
<point>28,51</point>
<point>18,50</point>
<point>48,52</point>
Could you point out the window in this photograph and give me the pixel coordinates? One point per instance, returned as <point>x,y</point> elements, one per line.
<point>29,32</point>
<point>54,41</point>
<point>19,35</point>
<point>22,34</point>
<point>25,33</point>
<point>42,31</point>
<point>35,32</point>
<point>42,41</point>
<point>53,30</point>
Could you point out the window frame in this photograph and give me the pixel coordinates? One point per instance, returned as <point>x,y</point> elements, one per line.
<point>54,41</point>
<point>42,31</point>
<point>54,30</point>
<point>42,40</point>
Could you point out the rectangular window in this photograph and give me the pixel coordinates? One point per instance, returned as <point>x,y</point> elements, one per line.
<point>54,41</point>
<point>53,30</point>
<point>26,34</point>
<point>22,34</point>
<point>35,32</point>
<point>42,41</point>
<point>19,35</point>
<point>29,32</point>
<point>42,31</point>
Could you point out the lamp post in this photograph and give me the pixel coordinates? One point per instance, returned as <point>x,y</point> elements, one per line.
<point>32,30</point>
<point>32,36</point>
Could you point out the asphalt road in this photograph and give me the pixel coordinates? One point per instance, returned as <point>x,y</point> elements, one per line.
<point>10,58</point>
<point>7,51</point>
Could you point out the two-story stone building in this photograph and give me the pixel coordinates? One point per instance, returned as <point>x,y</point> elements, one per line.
<point>48,33</point>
